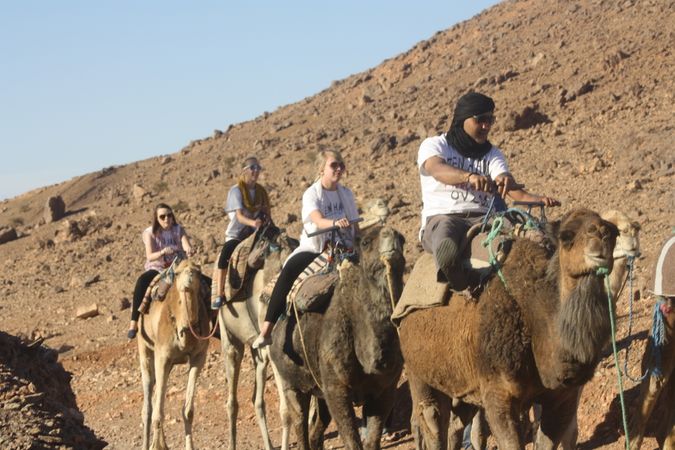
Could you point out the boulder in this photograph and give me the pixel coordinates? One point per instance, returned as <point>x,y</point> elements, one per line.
<point>55,209</point>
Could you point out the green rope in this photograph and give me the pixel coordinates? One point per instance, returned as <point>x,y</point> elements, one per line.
<point>494,232</point>
<point>603,271</point>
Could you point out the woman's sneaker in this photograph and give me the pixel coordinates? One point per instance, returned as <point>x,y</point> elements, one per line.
<point>261,341</point>
<point>217,302</point>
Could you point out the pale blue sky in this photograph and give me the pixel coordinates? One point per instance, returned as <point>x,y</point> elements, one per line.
<point>89,84</point>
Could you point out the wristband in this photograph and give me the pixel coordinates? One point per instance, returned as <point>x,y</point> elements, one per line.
<point>468,177</point>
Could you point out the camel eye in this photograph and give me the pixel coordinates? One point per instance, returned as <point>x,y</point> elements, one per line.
<point>365,242</point>
<point>592,229</point>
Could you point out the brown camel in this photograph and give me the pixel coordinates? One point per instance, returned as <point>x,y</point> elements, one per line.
<point>537,340</point>
<point>167,337</point>
<point>348,354</point>
<point>239,323</point>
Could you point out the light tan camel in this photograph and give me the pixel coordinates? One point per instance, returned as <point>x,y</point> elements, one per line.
<point>536,341</point>
<point>239,323</point>
<point>165,339</point>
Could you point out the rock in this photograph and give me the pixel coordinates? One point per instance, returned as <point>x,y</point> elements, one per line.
<point>7,234</point>
<point>95,279</point>
<point>55,209</point>
<point>124,304</point>
<point>138,192</point>
<point>85,312</point>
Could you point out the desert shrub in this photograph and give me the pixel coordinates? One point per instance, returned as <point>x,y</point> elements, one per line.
<point>181,206</point>
<point>160,186</point>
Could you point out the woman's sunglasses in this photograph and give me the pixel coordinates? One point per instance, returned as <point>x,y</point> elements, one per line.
<point>164,216</point>
<point>254,167</point>
<point>335,165</point>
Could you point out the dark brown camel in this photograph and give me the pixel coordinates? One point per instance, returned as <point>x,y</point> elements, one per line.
<point>537,340</point>
<point>353,352</point>
<point>239,326</point>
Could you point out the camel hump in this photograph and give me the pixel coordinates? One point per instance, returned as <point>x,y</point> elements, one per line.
<point>664,276</point>
<point>314,287</point>
<point>422,290</point>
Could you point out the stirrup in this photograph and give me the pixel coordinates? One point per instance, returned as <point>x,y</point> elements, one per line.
<point>217,303</point>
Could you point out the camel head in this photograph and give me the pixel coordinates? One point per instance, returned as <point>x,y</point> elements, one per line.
<point>186,298</point>
<point>380,249</point>
<point>628,241</point>
<point>585,243</point>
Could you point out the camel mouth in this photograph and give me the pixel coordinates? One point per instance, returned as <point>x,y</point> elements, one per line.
<point>597,261</point>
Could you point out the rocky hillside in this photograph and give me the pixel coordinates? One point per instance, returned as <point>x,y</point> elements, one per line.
<point>584,93</point>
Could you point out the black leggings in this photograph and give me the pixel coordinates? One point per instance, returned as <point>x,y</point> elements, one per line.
<point>226,252</point>
<point>139,291</point>
<point>288,275</point>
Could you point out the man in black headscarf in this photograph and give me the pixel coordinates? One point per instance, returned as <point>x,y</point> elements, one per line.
<point>460,171</point>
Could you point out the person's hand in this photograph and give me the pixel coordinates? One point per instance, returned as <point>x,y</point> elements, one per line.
<point>189,250</point>
<point>168,250</point>
<point>479,182</point>
<point>505,183</point>
<point>341,223</point>
<point>258,223</point>
<point>549,201</point>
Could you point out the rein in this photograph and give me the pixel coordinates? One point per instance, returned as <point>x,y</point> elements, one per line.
<point>194,333</point>
<point>304,348</point>
<point>604,272</point>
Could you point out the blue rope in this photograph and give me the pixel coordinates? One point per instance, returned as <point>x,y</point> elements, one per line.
<point>658,338</point>
<point>487,242</point>
<point>603,271</point>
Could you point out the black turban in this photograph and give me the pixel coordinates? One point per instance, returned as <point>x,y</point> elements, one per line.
<point>471,104</point>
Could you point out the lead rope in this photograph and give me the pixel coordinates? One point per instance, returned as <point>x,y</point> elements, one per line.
<point>604,272</point>
<point>629,263</point>
<point>194,333</point>
<point>304,349</point>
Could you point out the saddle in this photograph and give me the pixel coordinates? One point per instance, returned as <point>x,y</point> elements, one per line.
<point>160,285</point>
<point>484,250</point>
<point>313,289</point>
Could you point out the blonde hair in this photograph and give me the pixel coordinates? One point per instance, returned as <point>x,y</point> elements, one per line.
<point>322,156</point>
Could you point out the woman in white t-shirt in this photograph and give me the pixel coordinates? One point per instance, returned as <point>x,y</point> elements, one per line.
<point>326,203</point>
<point>163,241</point>
<point>248,208</point>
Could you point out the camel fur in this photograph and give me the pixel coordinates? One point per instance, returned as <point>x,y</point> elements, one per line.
<point>239,323</point>
<point>165,339</point>
<point>656,386</point>
<point>537,340</point>
<point>350,353</point>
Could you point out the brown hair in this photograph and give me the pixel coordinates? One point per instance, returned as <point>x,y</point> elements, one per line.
<point>155,222</point>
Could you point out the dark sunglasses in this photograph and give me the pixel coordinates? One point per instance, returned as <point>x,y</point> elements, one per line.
<point>487,119</point>
<point>164,216</point>
<point>335,165</point>
<point>254,167</point>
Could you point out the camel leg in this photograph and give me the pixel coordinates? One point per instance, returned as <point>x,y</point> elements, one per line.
<point>283,409</point>
<point>650,389</point>
<point>162,370</point>
<point>233,352</point>
<point>146,357</point>
<point>669,442</point>
<point>297,415</point>
<point>318,423</point>
<point>502,415</point>
<point>431,416</point>
<point>339,403</point>
<point>479,431</point>
<point>196,365</point>
<point>461,415</point>
<point>376,411</point>
<point>260,360</point>
<point>558,417</point>
<point>571,434</point>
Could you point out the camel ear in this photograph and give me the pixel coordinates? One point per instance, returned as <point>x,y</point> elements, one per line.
<point>612,228</point>
<point>551,230</point>
<point>635,225</point>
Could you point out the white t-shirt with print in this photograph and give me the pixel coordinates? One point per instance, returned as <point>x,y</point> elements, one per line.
<point>235,201</point>
<point>441,198</point>
<point>332,205</point>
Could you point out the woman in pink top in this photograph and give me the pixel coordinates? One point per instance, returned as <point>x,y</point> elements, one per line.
<point>163,241</point>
